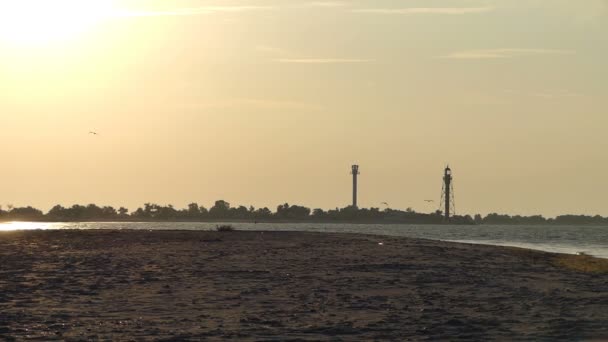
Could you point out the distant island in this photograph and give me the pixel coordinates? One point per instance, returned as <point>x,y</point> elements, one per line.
<point>223,211</point>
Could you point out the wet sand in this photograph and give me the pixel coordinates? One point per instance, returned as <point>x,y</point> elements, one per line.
<point>254,286</point>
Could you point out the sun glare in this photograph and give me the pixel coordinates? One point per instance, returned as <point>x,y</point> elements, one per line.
<point>41,22</point>
<point>16,226</point>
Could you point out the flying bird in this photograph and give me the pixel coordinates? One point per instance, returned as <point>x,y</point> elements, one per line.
<point>386,204</point>
<point>429,201</point>
<point>93,133</point>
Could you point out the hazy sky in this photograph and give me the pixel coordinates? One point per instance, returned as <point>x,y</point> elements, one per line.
<point>263,102</point>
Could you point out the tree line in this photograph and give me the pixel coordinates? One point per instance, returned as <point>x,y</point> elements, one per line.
<point>223,211</point>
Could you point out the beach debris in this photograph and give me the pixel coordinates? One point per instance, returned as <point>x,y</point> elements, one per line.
<point>225,228</point>
<point>381,243</point>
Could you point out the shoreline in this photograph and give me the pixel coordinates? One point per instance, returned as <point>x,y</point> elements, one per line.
<point>236,221</point>
<point>246,285</point>
<point>557,247</point>
<point>349,222</point>
<point>346,234</point>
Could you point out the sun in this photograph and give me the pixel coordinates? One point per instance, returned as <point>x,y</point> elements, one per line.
<point>42,22</point>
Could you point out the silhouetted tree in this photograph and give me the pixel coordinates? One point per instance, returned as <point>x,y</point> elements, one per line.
<point>108,213</point>
<point>262,214</point>
<point>239,213</point>
<point>193,212</point>
<point>123,212</point>
<point>166,213</point>
<point>223,211</point>
<point>296,212</point>
<point>25,214</point>
<point>204,213</point>
<point>220,210</point>
<point>319,214</point>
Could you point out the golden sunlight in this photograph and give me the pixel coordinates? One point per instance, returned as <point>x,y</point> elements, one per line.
<point>43,22</point>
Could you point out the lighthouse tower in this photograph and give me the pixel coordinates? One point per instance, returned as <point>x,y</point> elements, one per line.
<point>355,173</point>
<point>447,195</point>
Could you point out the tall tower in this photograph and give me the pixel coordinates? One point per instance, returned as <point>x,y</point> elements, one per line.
<point>447,195</point>
<point>355,173</point>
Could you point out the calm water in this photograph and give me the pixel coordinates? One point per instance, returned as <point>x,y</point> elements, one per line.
<point>562,239</point>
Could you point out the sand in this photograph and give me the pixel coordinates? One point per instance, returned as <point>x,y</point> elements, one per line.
<point>255,286</point>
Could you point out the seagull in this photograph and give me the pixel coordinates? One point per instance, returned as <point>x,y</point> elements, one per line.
<point>93,133</point>
<point>386,204</point>
<point>429,201</point>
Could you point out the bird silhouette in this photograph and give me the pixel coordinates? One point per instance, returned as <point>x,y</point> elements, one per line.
<point>386,204</point>
<point>429,201</point>
<point>93,133</point>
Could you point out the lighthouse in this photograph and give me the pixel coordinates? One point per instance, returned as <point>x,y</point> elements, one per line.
<point>355,173</point>
<point>447,195</point>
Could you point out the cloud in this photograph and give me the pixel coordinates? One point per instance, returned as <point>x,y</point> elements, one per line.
<point>277,104</point>
<point>425,10</point>
<point>203,10</point>
<point>548,94</point>
<point>191,11</point>
<point>267,49</point>
<point>580,12</point>
<point>281,55</point>
<point>551,95</point>
<point>266,104</point>
<point>285,56</point>
<point>322,60</point>
<point>326,4</point>
<point>503,53</point>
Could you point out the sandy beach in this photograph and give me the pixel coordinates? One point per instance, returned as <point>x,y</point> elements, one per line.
<point>261,286</point>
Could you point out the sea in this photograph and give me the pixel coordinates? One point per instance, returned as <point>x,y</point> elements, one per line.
<point>592,240</point>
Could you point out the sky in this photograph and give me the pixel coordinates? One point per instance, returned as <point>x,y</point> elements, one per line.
<point>264,102</point>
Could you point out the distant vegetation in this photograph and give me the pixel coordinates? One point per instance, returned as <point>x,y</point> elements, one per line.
<point>223,211</point>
